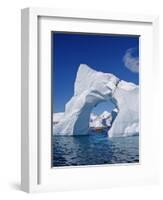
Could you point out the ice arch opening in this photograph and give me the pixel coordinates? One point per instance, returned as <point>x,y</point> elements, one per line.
<point>103,106</point>
<point>102,116</point>
<point>92,87</point>
<point>82,123</point>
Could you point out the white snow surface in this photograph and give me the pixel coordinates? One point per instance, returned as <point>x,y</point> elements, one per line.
<point>93,116</point>
<point>57,116</point>
<point>105,115</point>
<point>101,121</point>
<point>127,121</point>
<point>92,87</point>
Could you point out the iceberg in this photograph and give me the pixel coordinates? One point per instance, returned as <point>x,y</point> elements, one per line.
<point>91,88</point>
<point>106,118</point>
<point>57,117</point>
<point>101,121</point>
<point>126,122</point>
<point>93,118</point>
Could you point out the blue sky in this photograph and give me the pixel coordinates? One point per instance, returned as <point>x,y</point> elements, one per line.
<point>107,53</point>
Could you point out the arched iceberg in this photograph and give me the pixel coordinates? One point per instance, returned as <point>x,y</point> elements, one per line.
<point>91,88</point>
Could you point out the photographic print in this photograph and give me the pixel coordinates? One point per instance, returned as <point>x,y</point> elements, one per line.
<point>95,99</point>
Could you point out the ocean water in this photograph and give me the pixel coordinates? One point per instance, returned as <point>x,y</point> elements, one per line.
<point>94,149</point>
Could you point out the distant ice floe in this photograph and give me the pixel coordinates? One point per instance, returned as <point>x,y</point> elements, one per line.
<point>100,121</point>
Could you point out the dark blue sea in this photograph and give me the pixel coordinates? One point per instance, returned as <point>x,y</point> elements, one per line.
<point>94,149</point>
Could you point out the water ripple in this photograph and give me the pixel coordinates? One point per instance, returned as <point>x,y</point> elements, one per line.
<point>94,149</point>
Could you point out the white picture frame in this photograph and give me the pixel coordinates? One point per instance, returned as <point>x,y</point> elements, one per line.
<point>36,172</point>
